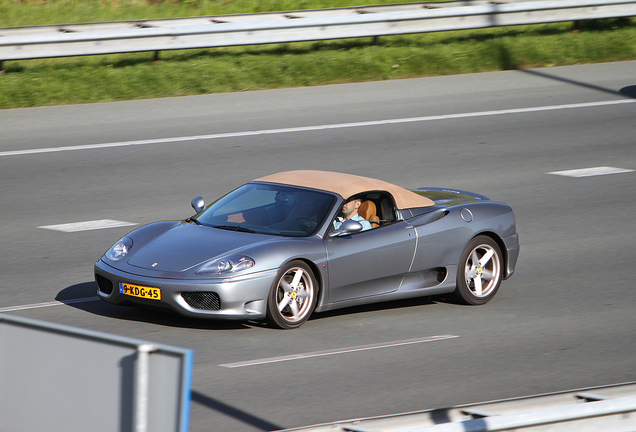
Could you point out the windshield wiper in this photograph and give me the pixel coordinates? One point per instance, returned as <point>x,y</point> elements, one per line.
<point>234,228</point>
<point>192,219</point>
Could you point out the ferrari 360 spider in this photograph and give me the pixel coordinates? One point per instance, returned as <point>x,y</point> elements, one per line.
<point>282,247</point>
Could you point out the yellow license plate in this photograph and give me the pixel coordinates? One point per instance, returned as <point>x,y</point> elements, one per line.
<point>140,291</point>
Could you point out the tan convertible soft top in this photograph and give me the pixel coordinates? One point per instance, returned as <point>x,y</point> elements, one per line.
<point>347,185</point>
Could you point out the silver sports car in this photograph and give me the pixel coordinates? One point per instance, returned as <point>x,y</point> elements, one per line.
<point>289,244</point>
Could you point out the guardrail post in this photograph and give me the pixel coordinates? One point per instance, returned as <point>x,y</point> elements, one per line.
<point>142,382</point>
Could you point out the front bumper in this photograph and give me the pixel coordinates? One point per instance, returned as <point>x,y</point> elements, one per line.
<point>240,297</point>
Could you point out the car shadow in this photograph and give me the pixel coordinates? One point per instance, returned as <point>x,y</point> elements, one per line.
<point>387,305</point>
<point>629,91</point>
<point>83,296</point>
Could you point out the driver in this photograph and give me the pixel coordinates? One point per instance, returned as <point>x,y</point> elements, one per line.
<point>350,212</point>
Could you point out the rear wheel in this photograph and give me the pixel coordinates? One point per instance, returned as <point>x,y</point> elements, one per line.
<point>293,296</point>
<point>479,271</point>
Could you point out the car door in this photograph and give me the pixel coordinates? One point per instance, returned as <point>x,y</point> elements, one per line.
<point>370,262</point>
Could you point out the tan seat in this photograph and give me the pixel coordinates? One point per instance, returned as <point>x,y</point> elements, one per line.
<point>367,210</point>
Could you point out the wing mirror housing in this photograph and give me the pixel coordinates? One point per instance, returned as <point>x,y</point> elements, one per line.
<point>347,227</point>
<point>198,204</point>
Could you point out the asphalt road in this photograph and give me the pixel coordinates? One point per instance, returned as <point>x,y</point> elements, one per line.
<point>565,320</point>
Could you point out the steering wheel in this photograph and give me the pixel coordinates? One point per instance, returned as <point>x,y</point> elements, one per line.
<point>306,223</point>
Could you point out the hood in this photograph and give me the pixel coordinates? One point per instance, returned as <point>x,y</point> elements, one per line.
<point>188,245</point>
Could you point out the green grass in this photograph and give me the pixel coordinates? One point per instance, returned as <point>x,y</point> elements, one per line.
<point>14,13</point>
<point>178,73</point>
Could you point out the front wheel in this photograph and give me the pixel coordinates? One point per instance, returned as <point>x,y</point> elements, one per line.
<point>479,271</point>
<point>293,296</point>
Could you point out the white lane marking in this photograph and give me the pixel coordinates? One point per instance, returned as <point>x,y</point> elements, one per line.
<point>88,226</point>
<point>315,128</point>
<point>47,304</point>
<point>337,351</point>
<point>589,172</point>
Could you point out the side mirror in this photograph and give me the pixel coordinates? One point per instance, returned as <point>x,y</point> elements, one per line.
<point>198,204</point>
<point>347,227</point>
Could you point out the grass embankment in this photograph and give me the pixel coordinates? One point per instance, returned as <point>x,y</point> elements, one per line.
<point>178,73</point>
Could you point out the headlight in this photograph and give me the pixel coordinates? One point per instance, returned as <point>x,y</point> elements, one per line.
<point>120,249</point>
<point>227,265</point>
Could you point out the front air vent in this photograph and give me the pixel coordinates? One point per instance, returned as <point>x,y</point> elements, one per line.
<point>103,284</point>
<point>202,300</point>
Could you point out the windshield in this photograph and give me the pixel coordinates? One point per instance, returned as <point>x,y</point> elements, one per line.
<point>270,209</point>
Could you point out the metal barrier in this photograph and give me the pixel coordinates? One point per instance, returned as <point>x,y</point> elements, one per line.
<point>60,378</point>
<point>607,409</point>
<point>298,26</point>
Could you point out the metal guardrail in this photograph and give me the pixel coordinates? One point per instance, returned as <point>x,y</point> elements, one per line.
<point>608,409</point>
<point>297,26</point>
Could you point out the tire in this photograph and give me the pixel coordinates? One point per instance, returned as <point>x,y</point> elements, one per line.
<point>479,271</point>
<point>292,297</point>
